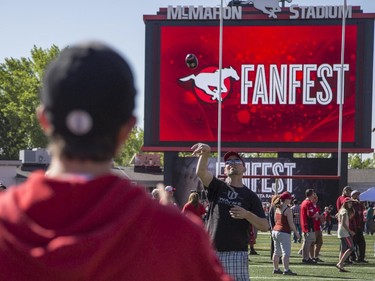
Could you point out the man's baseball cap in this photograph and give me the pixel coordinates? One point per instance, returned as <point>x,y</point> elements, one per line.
<point>169,188</point>
<point>355,192</point>
<point>286,195</point>
<point>88,94</point>
<point>232,153</point>
<point>347,188</point>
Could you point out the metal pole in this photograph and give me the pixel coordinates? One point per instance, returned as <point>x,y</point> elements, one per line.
<point>219,91</point>
<point>341,96</point>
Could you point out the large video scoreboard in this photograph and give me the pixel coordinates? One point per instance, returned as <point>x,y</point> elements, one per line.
<point>281,78</point>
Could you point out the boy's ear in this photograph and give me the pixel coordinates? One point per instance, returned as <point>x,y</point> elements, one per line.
<point>126,129</point>
<point>124,132</point>
<point>43,120</point>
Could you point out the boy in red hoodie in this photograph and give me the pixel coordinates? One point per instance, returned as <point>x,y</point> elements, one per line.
<point>79,221</point>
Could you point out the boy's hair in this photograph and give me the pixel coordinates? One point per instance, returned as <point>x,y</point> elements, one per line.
<point>309,192</point>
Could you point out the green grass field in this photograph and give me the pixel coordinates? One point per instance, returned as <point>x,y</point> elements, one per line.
<point>261,265</point>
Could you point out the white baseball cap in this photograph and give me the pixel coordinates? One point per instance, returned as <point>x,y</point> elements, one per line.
<point>169,188</point>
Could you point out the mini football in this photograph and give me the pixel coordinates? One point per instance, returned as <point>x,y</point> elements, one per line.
<point>191,61</point>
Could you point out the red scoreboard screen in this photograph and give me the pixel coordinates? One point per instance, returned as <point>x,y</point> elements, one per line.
<point>281,83</point>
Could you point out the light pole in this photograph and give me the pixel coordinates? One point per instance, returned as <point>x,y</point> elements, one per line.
<point>342,92</point>
<point>219,90</point>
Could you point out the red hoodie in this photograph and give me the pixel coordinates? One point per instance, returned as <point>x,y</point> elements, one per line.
<point>102,229</point>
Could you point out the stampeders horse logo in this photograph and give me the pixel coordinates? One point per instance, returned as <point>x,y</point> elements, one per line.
<point>206,83</point>
<point>269,7</point>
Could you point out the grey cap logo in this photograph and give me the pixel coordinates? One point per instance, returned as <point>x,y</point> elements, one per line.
<point>79,122</point>
<point>268,7</point>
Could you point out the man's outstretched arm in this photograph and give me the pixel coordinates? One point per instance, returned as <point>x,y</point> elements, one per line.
<point>203,151</point>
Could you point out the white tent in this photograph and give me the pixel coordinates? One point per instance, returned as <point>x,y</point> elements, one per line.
<point>368,195</point>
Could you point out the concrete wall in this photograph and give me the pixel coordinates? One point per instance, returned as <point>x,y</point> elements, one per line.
<point>361,179</point>
<point>8,172</point>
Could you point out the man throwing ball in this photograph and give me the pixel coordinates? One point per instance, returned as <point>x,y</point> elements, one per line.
<point>233,206</point>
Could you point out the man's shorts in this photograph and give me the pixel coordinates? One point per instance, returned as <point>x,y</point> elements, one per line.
<point>309,236</point>
<point>236,264</point>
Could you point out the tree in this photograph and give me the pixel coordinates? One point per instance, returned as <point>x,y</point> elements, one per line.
<point>133,145</point>
<point>20,81</point>
<point>355,161</point>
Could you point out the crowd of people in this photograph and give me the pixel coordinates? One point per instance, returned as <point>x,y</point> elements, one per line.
<point>351,216</point>
<point>289,220</point>
<point>286,217</point>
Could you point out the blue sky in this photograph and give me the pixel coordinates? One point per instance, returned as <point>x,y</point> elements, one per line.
<point>25,23</point>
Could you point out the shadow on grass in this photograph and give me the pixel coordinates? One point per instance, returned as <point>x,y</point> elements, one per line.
<point>341,277</point>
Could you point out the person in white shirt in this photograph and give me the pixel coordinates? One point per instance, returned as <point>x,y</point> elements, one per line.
<point>345,233</point>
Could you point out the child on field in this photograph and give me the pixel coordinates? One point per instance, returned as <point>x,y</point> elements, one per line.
<point>345,233</point>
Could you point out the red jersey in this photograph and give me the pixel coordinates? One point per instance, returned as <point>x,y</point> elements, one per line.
<point>327,216</point>
<point>100,229</point>
<point>281,223</point>
<point>198,211</point>
<point>340,200</point>
<point>317,222</point>
<point>306,216</point>
<point>358,219</point>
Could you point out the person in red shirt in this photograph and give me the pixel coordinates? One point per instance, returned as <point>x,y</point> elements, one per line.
<point>327,220</point>
<point>281,233</point>
<point>307,217</point>
<point>358,255</point>
<point>193,206</point>
<point>253,239</point>
<point>80,221</point>
<point>317,245</point>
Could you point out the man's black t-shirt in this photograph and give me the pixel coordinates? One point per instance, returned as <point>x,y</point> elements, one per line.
<point>227,233</point>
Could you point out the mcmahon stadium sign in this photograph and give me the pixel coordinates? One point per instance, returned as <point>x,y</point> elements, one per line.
<point>236,13</point>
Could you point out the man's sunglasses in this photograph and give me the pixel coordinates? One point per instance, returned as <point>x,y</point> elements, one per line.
<point>233,162</point>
